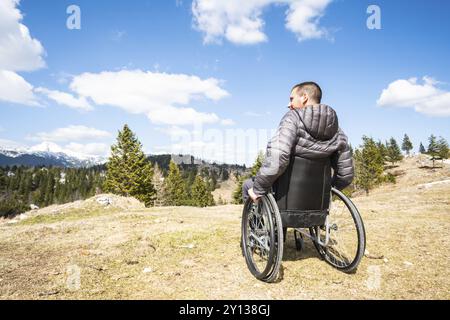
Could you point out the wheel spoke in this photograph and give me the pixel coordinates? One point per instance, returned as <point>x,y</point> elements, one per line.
<point>261,242</point>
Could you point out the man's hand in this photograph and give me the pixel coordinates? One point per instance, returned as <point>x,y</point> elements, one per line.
<point>253,196</point>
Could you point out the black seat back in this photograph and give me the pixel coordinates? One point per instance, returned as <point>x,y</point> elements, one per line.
<point>304,187</point>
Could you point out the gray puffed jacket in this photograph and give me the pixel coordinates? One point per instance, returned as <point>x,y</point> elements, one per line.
<point>312,132</point>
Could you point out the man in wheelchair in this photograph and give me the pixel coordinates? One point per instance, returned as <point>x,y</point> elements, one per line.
<point>307,162</point>
<point>308,130</point>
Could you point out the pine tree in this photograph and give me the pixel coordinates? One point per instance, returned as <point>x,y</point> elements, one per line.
<point>433,148</point>
<point>43,182</point>
<point>393,151</point>
<point>237,193</point>
<point>201,196</point>
<point>49,189</point>
<point>406,144</point>
<point>175,187</point>
<point>422,148</point>
<point>443,148</point>
<point>2,180</point>
<point>213,183</point>
<point>369,165</point>
<point>14,179</point>
<point>82,187</point>
<point>23,183</point>
<point>258,163</point>
<point>191,174</point>
<point>129,173</point>
<point>28,186</point>
<point>382,150</point>
<point>158,183</point>
<point>66,189</point>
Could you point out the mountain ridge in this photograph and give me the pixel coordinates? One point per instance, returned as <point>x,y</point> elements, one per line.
<point>46,155</point>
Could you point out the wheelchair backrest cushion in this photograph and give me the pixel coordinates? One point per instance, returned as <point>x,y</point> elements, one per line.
<point>305,185</point>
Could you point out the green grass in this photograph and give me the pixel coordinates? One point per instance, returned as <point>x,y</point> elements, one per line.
<point>69,215</point>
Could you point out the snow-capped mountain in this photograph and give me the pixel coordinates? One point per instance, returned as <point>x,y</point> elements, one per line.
<point>48,154</point>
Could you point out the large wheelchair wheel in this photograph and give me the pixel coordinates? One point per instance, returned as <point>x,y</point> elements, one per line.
<point>262,238</point>
<point>346,234</point>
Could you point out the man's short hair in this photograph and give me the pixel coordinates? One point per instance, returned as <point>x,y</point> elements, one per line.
<point>311,88</point>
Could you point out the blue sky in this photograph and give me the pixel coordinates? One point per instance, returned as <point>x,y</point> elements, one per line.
<point>235,66</point>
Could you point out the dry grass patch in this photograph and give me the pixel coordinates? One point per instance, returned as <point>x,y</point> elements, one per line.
<point>193,253</point>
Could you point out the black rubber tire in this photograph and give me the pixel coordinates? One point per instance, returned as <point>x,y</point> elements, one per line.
<point>279,237</point>
<point>361,236</point>
<point>275,233</point>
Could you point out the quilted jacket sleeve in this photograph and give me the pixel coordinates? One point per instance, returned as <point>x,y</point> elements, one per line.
<point>342,163</point>
<point>279,150</point>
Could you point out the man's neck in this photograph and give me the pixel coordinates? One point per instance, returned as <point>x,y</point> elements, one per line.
<point>309,104</point>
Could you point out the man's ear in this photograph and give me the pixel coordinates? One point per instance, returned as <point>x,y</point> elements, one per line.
<point>305,98</point>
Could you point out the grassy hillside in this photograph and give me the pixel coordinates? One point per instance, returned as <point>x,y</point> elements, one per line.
<point>124,251</point>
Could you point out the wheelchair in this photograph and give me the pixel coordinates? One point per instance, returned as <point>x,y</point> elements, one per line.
<point>302,198</point>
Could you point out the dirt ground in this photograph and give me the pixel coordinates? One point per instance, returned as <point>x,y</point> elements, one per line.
<point>87,250</point>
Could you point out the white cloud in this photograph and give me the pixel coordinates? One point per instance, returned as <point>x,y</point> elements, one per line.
<point>425,98</point>
<point>240,22</point>
<point>89,149</point>
<point>157,95</point>
<point>62,77</point>
<point>247,31</point>
<point>46,147</point>
<point>180,116</point>
<point>14,88</point>
<point>78,150</point>
<point>9,144</point>
<point>303,17</point>
<point>175,132</point>
<point>18,50</point>
<point>81,151</point>
<point>71,133</point>
<point>66,99</point>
